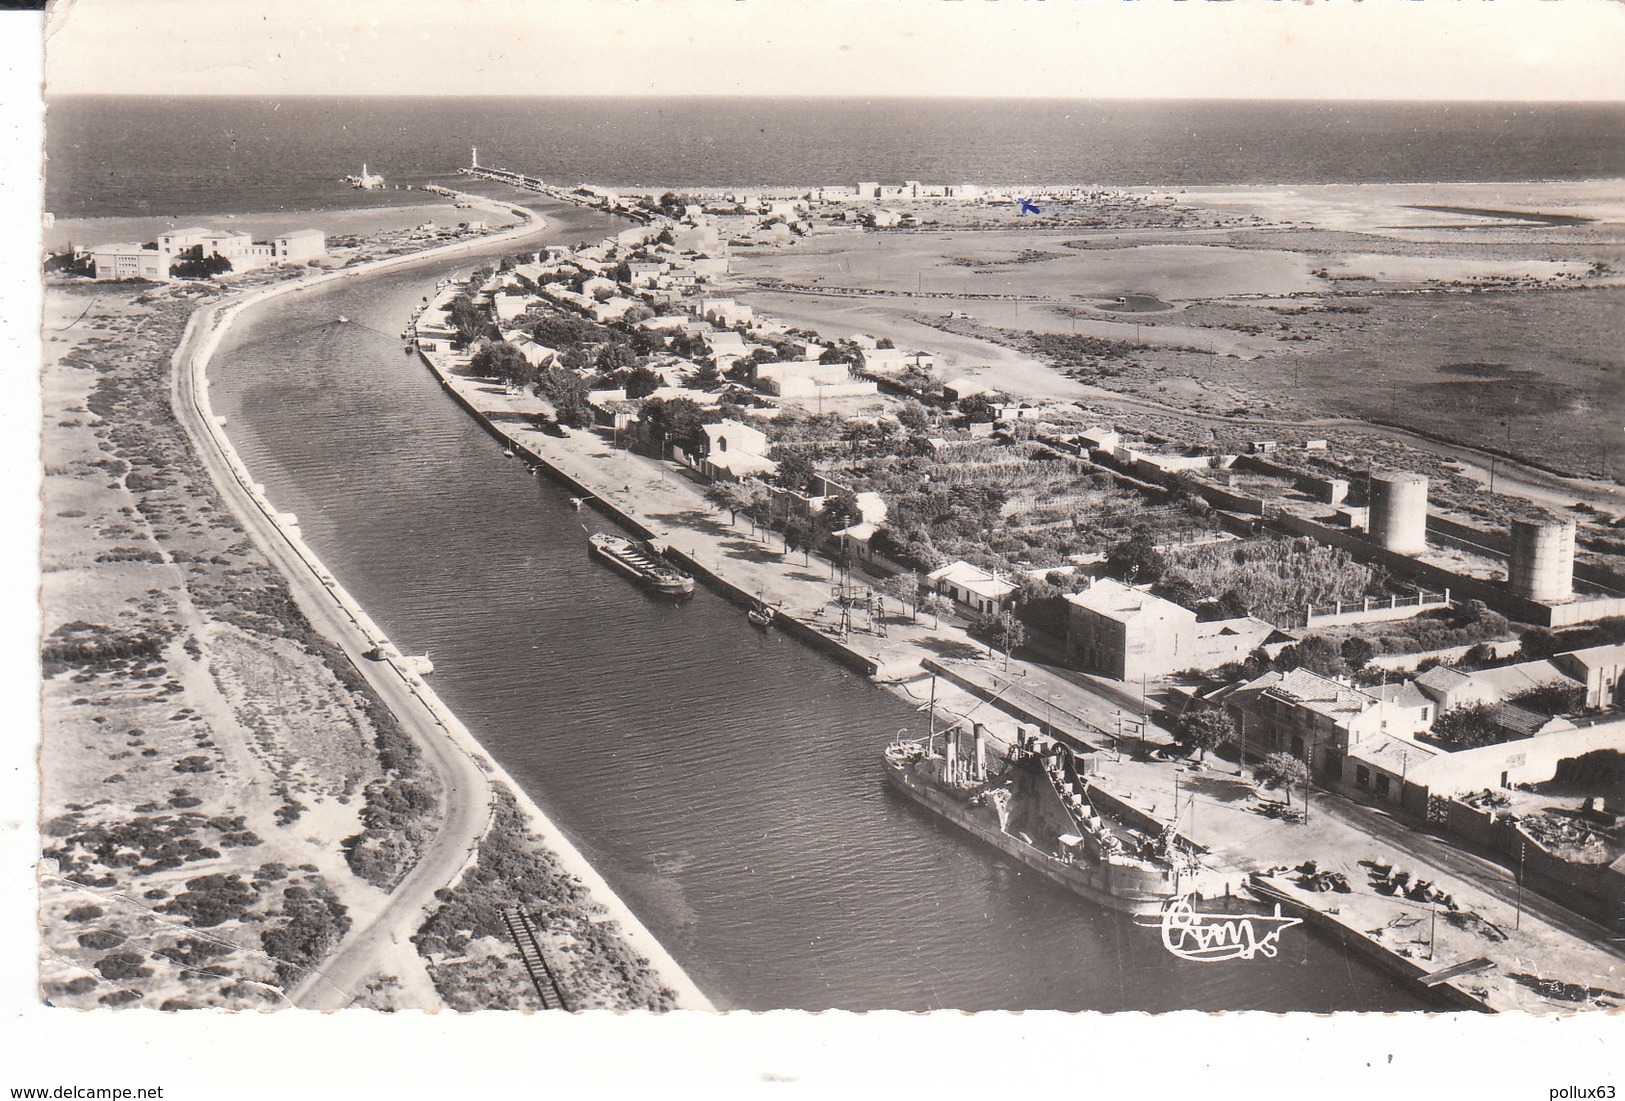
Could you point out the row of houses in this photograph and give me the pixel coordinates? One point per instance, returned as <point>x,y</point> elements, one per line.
<point>1372,741</point>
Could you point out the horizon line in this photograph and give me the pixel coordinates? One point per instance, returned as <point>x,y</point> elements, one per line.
<point>1607,101</point>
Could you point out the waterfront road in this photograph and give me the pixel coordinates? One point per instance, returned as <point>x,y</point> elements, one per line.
<point>384,943</point>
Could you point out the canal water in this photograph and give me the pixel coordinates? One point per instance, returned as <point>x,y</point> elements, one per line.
<point>726,782</point>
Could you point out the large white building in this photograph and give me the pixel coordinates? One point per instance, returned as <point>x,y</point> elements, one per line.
<point>134,261</point>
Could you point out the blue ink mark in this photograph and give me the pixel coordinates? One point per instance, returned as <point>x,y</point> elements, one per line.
<point>1029,207</point>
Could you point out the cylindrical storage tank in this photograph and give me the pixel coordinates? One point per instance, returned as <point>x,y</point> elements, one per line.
<point>1399,511</point>
<point>1541,566</point>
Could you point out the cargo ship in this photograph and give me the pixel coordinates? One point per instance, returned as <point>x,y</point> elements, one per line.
<point>642,563</point>
<point>1040,809</point>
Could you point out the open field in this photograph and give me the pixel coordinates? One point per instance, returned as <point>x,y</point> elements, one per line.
<point>1485,315</point>
<point>226,802</point>
<point>195,850</point>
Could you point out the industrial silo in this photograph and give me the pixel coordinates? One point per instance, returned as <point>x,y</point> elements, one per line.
<point>1541,565</point>
<point>1399,511</point>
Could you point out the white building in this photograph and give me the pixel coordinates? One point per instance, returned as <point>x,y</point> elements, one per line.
<point>972,587</point>
<point>810,378</point>
<point>725,311</point>
<point>130,261</point>
<point>299,246</point>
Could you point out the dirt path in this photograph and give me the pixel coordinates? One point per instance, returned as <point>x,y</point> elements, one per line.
<point>468,792</point>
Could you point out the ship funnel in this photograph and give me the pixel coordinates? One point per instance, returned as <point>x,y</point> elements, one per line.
<point>950,753</point>
<point>979,750</point>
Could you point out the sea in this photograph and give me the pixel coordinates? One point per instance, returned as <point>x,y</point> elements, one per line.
<point>726,781</point>
<point>166,155</point>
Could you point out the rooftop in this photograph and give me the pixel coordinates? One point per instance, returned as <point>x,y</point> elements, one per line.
<point>973,579</point>
<point>1116,600</point>
<point>1390,753</point>
<point>1313,692</point>
<point>1509,680</point>
<point>1598,657</point>
<point>1400,694</point>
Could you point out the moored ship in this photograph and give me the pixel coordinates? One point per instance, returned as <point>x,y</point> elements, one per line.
<point>1040,809</point>
<point>642,563</point>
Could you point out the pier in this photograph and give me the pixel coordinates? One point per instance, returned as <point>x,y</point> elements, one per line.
<point>501,175</point>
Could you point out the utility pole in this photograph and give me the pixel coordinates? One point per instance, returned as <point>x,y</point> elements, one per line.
<point>1308,780</point>
<point>1517,922</point>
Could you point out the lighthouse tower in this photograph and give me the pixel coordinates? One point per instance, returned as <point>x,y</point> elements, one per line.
<point>473,156</point>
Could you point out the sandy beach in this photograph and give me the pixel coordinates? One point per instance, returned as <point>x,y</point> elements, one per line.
<point>421,208</point>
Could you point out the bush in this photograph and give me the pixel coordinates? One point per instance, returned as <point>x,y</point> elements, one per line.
<point>315,922</point>
<point>100,939</point>
<point>123,965</point>
<point>1467,727</point>
<point>84,913</point>
<point>212,900</point>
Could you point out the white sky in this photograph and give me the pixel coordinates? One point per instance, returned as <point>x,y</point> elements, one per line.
<point>1333,49</point>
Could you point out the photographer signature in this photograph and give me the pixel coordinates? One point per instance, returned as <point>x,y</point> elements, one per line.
<point>1210,938</point>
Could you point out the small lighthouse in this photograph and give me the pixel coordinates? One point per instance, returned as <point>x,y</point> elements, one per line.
<point>473,156</point>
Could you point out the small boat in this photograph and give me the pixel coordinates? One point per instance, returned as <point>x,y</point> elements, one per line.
<point>642,563</point>
<point>507,452</point>
<point>343,320</point>
<point>761,615</point>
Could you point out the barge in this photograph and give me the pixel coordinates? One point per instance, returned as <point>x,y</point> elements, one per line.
<point>1041,810</point>
<point>642,563</point>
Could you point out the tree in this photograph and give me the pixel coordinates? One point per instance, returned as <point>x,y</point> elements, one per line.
<point>1136,560</point>
<point>1539,643</point>
<point>505,363</point>
<point>1552,698</point>
<point>1176,588</point>
<point>753,495</point>
<point>1318,654</point>
<point>905,589</point>
<point>640,382</point>
<point>796,470</point>
<point>842,510</point>
<point>707,378</point>
<point>1280,770</point>
<point>194,265</point>
<point>977,409</point>
<point>614,357</point>
<point>1358,650</point>
<point>913,417</point>
<point>800,535</point>
<point>679,421</point>
<point>1467,727</point>
<point>728,495</point>
<point>1204,729</point>
<point>568,394</point>
<point>1042,605</point>
<point>558,330</point>
<point>468,320</point>
<point>933,602</point>
<point>1006,631</point>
